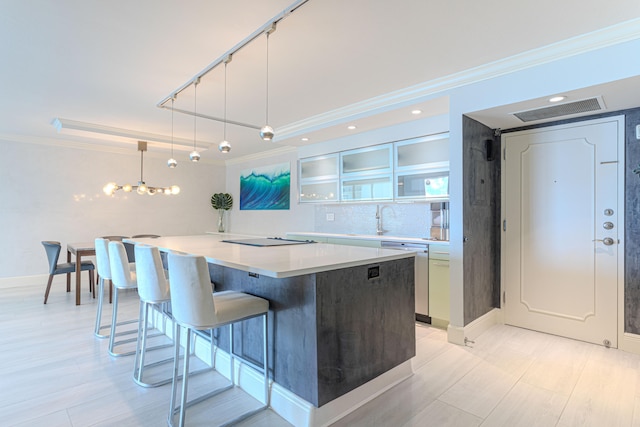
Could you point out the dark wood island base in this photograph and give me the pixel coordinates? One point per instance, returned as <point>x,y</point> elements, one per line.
<point>330,331</point>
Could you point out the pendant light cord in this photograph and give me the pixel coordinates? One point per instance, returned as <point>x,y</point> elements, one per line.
<point>172,99</point>
<point>225,102</point>
<point>267,83</point>
<point>195,96</point>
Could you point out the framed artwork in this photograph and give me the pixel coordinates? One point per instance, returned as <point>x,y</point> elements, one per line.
<point>266,188</point>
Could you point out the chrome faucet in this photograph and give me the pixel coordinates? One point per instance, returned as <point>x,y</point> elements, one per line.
<point>379,230</point>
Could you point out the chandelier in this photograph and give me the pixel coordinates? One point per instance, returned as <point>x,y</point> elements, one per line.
<point>142,187</point>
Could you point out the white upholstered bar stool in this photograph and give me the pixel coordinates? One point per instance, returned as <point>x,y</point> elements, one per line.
<point>122,278</point>
<point>153,289</point>
<point>195,307</point>
<point>104,276</point>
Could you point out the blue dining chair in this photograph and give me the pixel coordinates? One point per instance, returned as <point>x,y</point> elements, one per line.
<point>53,253</point>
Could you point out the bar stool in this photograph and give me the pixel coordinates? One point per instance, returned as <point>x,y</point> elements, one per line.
<point>153,289</point>
<point>104,274</point>
<point>196,308</point>
<point>122,278</point>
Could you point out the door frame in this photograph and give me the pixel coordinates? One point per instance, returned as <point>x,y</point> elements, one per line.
<point>626,342</point>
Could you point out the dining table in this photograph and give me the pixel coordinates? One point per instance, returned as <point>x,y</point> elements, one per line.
<point>81,249</point>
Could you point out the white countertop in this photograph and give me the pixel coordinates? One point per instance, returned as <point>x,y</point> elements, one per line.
<point>371,237</point>
<point>274,261</point>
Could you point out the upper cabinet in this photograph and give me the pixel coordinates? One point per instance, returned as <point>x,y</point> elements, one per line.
<point>319,177</point>
<point>367,173</point>
<point>416,169</point>
<point>421,168</point>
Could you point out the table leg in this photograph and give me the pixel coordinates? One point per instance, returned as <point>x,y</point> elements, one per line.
<point>78,271</point>
<point>68,274</point>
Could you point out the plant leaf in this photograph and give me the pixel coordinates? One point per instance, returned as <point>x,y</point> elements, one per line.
<point>222,201</point>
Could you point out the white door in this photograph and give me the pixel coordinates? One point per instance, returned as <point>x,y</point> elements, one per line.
<point>560,253</point>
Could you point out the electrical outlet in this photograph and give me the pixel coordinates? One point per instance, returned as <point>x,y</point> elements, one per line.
<point>331,217</point>
<point>373,272</point>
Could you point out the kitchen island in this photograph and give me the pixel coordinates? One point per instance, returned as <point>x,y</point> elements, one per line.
<point>340,316</point>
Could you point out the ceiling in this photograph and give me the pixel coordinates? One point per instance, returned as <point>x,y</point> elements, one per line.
<point>107,64</point>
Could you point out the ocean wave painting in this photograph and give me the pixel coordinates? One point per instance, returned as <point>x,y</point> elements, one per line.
<point>265,188</point>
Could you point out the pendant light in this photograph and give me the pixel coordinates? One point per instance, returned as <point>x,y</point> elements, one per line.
<point>194,156</point>
<point>142,187</point>
<point>224,146</point>
<point>172,162</point>
<point>266,132</point>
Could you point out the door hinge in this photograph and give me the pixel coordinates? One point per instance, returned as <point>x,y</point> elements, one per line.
<point>504,297</point>
<point>504,225</point>
<point>504,153</point>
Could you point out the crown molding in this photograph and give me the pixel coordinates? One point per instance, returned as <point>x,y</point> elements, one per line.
<point>605,37</point>
<point>262,155</point>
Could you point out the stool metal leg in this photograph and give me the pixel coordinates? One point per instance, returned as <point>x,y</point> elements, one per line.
<point>141,348</point>
<point>114,323</point>
<point>99,325</point>
<point>176,365</point>
<point>181,409</point>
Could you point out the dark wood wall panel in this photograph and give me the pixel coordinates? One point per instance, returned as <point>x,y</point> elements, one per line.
<point>632,225</point>
<point>481,223</point>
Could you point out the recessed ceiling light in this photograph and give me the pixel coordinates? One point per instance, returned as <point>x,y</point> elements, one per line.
<point>557,98</point>
<point>416,112</point>
<point>351,127</point>
<point>304,139</point>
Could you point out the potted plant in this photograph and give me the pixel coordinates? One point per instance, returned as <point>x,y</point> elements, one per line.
<point>221,202</point>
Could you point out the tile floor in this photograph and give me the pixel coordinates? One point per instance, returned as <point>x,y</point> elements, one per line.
<point>53,372</point>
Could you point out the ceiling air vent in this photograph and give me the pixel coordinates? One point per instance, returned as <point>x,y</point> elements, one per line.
<point>559,110</point>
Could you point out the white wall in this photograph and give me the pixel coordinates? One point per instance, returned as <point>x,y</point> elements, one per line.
<point>584,70</point>
<point>267,222</point>
<point>55,193</point>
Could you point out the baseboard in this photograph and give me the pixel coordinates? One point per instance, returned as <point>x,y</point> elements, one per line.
<point>37,280</point>
<point>345,404</point>
<point>459,335</point>
<point>288,405</point>
<point>630,343</point>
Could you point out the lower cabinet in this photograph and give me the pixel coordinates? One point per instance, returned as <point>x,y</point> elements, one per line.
<point>439,285</point>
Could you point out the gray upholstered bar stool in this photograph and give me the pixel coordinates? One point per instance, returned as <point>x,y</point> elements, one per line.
<point>153,289</point>
<point>195,307</point>
<point>122,278</point>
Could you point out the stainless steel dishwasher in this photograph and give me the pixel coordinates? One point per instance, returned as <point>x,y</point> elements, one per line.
<point>421,274</point>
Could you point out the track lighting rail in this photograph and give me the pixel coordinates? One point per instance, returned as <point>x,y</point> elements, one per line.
<point>269,27</point>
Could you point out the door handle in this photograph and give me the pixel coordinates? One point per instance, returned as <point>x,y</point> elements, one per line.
<point>608,241</point>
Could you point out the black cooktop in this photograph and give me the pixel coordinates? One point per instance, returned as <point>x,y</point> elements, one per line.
<point>269,241</point>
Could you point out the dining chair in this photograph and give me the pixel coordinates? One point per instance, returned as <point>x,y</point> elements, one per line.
<point>196,308</point>
<point>53,254</point>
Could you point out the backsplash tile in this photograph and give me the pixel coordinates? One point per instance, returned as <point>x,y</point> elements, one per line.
<point>398,219</point>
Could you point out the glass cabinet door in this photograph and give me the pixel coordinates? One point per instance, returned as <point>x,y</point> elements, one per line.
<point>376,159</point>
<point>367,188</point>
<point>319,191</point>
<point>319,178</point>
<point>321,167</point>
<point>432,151</point>
<point>422,168</point>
